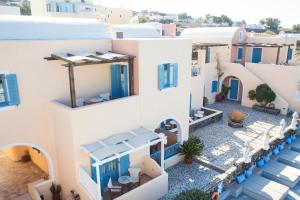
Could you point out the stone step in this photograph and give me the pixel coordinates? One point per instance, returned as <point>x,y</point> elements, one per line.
<point>289,157</point>
<point>281,173</point>
<point>258,187</point>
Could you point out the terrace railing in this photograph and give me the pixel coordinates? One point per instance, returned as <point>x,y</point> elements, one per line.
<point>169,152</point>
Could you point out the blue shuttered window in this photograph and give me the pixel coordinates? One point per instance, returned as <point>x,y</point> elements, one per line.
<point>167,75</point>
<point>9,93</point>
<point>119,81</point>
<point>214,87</point>
<point>290,54</point>
<point>240,53</point>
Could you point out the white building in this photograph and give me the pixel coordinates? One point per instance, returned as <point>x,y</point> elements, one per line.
<point>7,9</point>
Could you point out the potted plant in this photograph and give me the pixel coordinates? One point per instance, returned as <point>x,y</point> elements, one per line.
<point>219,97</point>
<point>236,119</point>
<point>191,148</point>
<point>55,190</point>
<point>224,91</point>
<point>205,101</point>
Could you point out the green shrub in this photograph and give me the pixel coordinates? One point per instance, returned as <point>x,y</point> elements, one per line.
<point>193,195</point>
<point>224,90</point>
<point>191,148</point>
<point>251,95</point>
<point>263,94</point>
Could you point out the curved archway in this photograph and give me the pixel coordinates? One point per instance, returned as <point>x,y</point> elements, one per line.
<point>45,153</point>
<point>235,87</point>
<point>23,166</point>
<point>172,129</point>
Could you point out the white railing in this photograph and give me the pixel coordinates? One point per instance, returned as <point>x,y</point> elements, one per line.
<point>89,185</point>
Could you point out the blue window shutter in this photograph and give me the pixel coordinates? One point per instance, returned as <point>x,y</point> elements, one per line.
<point>161,77</point>
<point>126,92</point>
<point>214,87</point>
<point>207,57</point>
<point>175,74</point>
<point>290,54</point>
<point>115,74</point>
<point>190,103</point>
<point>12,89</point>
<point>240,53</point>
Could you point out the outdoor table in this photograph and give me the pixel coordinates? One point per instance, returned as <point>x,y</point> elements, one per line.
<point>125,181</point>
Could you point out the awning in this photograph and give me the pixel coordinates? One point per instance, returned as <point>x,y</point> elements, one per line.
<point>207,45</point>
<point>121,144</point>
<point>89,58</point>
<point>261,45</point>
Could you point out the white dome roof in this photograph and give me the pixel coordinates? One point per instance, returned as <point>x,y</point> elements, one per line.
<point>51,28</point>
<point>210,32</point>
<point>137,31</point>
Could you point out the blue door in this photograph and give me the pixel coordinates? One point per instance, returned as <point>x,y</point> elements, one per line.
<point>124,164</point>
<point>234,89</point>
<point>256,55</point>
<point>119,81</point>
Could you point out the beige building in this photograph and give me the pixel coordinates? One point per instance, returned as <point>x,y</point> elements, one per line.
<point>80,9</point>
<point>240,61</point>
<point>6,9</point>
<point>74,90</point>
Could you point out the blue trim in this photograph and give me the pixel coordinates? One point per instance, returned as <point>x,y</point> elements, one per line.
<point>169,152</point>
<point>124,164</point>
<point>260,163</point>
<point>167,75</point>
<point>256,55</point>
<point>214,86</point>
<point>240,53</point>
<point>234,87</point>
<point>290,54</point>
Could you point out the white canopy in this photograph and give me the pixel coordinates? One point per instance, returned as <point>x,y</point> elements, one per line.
<point>120,144</point>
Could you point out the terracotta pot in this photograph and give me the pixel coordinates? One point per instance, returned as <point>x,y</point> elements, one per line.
<point>55,196</point>
<point>188,160</point>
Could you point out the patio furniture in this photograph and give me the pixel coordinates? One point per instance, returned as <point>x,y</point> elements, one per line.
<point>125,181</point>
<point>105,96</point>
<point>135,174</point>
<point>114,190</point>
<point>79,101</point>
<point>93,100</point>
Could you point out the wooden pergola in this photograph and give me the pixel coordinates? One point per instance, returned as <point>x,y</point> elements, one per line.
<point>75,60</point>
<point>269,45</point>
<point>205,46</point>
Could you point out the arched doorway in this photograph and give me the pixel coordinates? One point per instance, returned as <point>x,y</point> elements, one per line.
<point>234,87</point>
<point>20,166</point>
<point>172,130</point>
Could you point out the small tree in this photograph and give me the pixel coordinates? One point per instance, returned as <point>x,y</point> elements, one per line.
<point>143,19</point>
<point>263,94</point>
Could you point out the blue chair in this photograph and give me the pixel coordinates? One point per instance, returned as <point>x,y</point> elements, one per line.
<point>267,158</point>
<point>289,140</point>
<point>260,163</point>
<point>281,147</point>
<point>240,178</point>
<point>248,172</point>
<point>275,151</point>
<point>294,137</point>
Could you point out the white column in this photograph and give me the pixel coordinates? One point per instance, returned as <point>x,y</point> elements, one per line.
<point>265,142</point>
<point>282,127</point>
<point>98,182</point>
<point>294,121</point>
<point>163,141</point>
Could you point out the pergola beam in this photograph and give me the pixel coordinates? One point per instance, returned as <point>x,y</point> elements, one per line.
<point>72,86</point>
<point>203,46</point>
<point>261,45</point>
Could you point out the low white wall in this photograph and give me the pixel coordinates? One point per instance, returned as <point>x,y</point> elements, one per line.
<point>152,190</point>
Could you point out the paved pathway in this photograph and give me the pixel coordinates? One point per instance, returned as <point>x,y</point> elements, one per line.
<point>14,177</point>
<point>185,177</point>
<point>223,145</point>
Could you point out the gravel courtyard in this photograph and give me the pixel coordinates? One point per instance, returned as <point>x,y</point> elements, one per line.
<point>185,177</point>
<point>223,145</point>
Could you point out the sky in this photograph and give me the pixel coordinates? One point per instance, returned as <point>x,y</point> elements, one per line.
<point>251,11</point>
